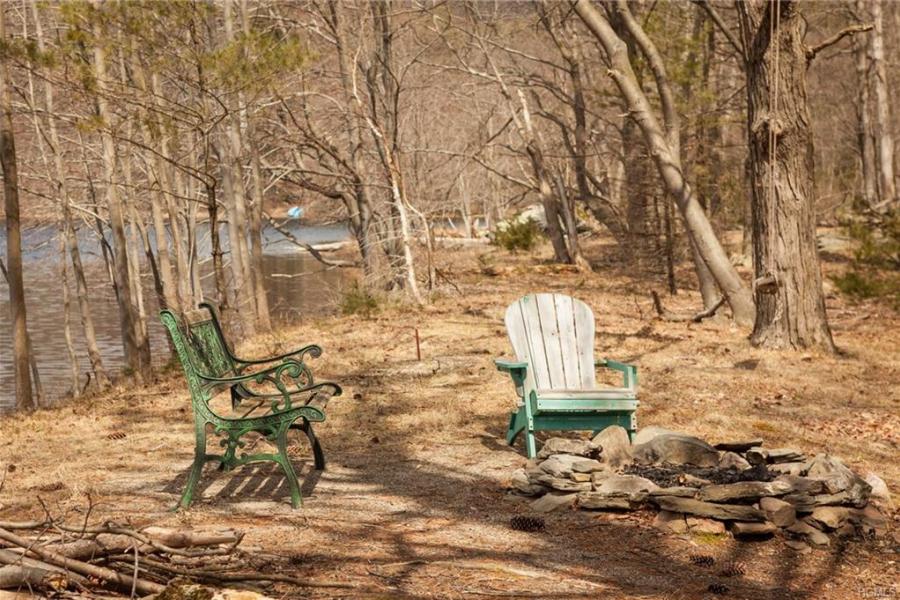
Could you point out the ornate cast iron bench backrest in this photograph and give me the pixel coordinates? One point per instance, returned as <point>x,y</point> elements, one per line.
<point>200,344</point>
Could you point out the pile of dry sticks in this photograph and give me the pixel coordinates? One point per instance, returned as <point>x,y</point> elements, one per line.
<point>50,557</point>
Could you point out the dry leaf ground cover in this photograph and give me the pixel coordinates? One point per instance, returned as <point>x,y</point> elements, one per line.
<point>413,502</point>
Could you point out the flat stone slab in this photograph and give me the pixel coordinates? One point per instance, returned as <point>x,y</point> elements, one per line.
<point>562,484</point>
<point>740,446</point>
<point>743,490</point>
<point>551,502</point>
<point>617,501</point>
<point>742,529</point>
<point>557,445</point>
<point>681,491</point>
<point>625,484</point>
<point>758,455</point>
<point>722,512</point>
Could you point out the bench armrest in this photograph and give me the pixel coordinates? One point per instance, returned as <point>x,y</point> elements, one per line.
<point>312,350</point>
<point>629,372</point>
<point>289,377</point>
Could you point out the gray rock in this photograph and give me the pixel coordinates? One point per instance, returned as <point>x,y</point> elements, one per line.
<point>731,460</point>
<point>597,477</point>
<point>694,481</point>
<point>676,449</point>
<point>670,521</point>
<point>742,446</point>
<point>567,446</point>
<point>788,468</point>
<point>798,546</point>
<point>680,491</point>
<point>880,493</point>
<point>520,484</point>
<point>803,485</point>
<point>741,529</point>
<point>829,517</point>
<point>552,502</point>
<point>743,490</point>
<point>779,512</point>
<point>615,447</point>
<point>810,533</point>
<point>587,465</point>
<point>722,512</point>
<point>560,465</point>
<point>830,470</point>
<point>870,520</point>
<point>604,501</point>
<point>625,484</point>
<point>561,484</point>
<point>648,433</point>
<point>701,525</point>
<point>758,455</point>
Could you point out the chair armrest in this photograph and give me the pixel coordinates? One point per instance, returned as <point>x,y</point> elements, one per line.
<point>516,369</point>
<point>629,372</point>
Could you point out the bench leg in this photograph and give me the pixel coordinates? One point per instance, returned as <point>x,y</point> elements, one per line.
<point>318,455</point>
<point>288,468</point>
<point>197,469</point>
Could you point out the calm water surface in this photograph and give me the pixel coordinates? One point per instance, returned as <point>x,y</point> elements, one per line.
<point>297,285</point>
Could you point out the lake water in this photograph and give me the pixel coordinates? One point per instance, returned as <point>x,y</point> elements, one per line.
<point>296,283</point>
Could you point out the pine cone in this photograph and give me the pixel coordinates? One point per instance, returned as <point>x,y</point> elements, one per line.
<point>734,569</point>
<point>718,588</point>
<point>702,560</point>
<point>525,523</point>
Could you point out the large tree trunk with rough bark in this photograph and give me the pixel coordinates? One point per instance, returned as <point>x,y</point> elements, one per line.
<point>790,305</point>
<point>664,149</point>
<point>22,375</point>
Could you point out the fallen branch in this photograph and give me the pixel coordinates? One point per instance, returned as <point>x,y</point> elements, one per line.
<point>667,315</point>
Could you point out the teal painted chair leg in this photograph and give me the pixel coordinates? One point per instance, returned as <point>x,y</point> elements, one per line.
<point>530,444</point>
<point>196,470</point>
<point>516,425</point>
<point>289,474</point>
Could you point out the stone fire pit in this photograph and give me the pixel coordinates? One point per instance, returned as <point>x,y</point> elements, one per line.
<point>743,487</point>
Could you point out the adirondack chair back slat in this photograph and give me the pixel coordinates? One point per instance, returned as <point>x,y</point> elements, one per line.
<point>554,334</point>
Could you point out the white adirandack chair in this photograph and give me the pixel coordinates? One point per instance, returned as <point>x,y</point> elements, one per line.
<point>554,371</point>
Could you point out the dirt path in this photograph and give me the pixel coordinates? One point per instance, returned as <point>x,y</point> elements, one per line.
<point>413,502</point>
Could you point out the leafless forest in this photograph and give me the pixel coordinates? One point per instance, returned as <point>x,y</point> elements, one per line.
<point>716,179</point>
<point>659,124</point>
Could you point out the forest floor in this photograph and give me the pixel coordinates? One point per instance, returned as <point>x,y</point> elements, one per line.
<point>413,503</point>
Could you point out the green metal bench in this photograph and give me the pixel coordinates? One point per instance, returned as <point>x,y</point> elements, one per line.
<point>280,391</point>
<point>553,338</point>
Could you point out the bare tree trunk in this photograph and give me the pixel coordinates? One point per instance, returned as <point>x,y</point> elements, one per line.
<point>864,121</point>
<point>887,186</point>
<point>663,147</point>
<point>24,398</point>
<point>134,358</point>
<point>790,306</point>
